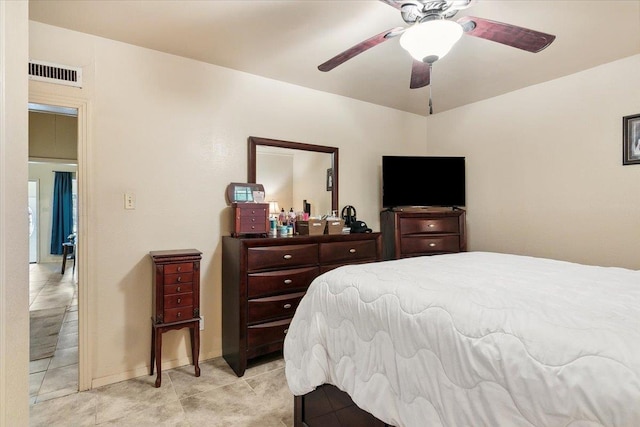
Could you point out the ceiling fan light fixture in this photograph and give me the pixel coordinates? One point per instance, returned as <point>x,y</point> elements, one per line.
<point>431,40</point>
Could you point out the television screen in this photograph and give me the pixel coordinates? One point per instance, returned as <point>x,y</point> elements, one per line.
<point>422,181</point>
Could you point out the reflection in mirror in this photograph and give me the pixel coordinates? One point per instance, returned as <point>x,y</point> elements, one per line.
<point>293,172</point>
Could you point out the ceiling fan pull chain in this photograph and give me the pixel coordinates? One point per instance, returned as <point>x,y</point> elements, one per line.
<point>430,85</point>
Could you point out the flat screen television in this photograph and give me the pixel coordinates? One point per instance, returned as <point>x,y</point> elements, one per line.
<point>422,181</point>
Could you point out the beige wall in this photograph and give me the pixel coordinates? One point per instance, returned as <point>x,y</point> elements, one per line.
<point>14,273</point>
<point>53,136</point>
<point>174,132</point>
<point>544,167</point>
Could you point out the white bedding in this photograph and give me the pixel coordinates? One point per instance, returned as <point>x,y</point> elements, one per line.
<point>474,339</point>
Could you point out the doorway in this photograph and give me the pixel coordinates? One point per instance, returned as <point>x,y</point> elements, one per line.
<point>53,290</point>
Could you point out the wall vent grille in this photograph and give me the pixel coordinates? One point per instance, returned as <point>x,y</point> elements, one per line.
<point>55,73</point>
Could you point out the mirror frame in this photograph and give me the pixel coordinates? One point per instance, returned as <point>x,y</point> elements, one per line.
<point>254,142</point>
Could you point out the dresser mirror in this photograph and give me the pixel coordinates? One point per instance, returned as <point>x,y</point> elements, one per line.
<point>292,172</point>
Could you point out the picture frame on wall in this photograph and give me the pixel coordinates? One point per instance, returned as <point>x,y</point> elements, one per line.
<point>631,140</point>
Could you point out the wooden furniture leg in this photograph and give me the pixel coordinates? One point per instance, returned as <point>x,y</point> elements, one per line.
<point>158,352</point>
<point>153,347</point>
<point>195,345</point>
<point>65,253</point>
<point>156,344</point>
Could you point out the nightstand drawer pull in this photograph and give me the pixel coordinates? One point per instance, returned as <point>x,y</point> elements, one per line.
<point>179,269</point>
<point>286,330</point>
<point>179,314</point>
<point>352,251</point>
<point>179,300</point>
<point>432,245</point>
<point>178,289</point>
<point>179,279</point>
<point>253,227</point>
<point>288,281</point>
<point>287,256</point>
<point>287,306</point>
<point>431,225</point>
<point>253,220</point>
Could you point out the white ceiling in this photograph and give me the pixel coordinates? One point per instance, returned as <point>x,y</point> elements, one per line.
<point>287,40</point>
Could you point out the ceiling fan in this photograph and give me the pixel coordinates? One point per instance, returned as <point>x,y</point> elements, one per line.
<point>431,35</point>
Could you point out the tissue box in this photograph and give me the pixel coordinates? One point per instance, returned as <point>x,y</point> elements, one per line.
<point>312,227</point>
<point>334,226</point>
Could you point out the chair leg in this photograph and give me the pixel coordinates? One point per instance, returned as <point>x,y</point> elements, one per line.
<point>64,258</point>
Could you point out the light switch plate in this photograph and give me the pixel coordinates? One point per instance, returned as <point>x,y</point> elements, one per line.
<point>129,201</point>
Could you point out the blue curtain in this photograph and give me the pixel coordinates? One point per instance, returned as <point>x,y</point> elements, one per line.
<point>62,221</point>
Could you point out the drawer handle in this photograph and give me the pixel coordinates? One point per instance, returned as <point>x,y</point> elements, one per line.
<point>179,314</point>
<point>253,213</point>
<point>288,281</point>
<point>352,251</point>
<point>287,306</point>
<point>179,300</point>
<point>253,227</point>
<point>253,220</point>
<point>286,330</point>
<point>432,244</point>
<point>179,279</point>
<point>431,225</point>
<point>287,256</point>
<point>178,289</point>
<point>179,269</point>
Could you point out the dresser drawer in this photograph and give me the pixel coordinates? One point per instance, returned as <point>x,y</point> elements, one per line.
<point>176,314</point>
<point>178,288</point>
<point>253,224</point>
<point>346,252</point>
<point>251,210</point>
<point>263,309</point>
<point>178,268</point>
<point>423,245</point>
<point>173,279</point>
<point>281,256</point>
<point>267,333</point>
<point>273,282</point>
<point>429,225</point>
<point>178,300</point>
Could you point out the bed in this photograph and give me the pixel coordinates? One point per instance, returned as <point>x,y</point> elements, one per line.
<point>468,339</point>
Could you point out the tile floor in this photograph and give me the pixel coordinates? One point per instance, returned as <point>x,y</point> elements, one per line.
<point>58,375</point>
<point>261,398</point>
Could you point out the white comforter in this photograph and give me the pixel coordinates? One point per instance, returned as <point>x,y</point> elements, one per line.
<point>474,339</point>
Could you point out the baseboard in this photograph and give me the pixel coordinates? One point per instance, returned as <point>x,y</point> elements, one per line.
<point>144,370</point>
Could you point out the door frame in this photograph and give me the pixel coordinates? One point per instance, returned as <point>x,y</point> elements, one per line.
<point>37,244</point>
<point>83,240</point>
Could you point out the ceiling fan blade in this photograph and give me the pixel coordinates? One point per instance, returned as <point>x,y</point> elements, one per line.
<point>420,74</point>
<point>392,3</point>
<point>510,35</point>
<point>359,48</point>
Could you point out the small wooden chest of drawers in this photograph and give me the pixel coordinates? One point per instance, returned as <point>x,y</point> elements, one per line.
<point>264,279</point>
<point>416,232</point>
<point>250,218</point>
<point>176,300</point>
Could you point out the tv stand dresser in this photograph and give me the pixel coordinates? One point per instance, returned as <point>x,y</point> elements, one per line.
<point>420,231</point>
<point>264,279</point>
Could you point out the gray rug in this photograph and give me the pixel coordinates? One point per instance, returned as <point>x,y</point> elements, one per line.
<point>45,327</point>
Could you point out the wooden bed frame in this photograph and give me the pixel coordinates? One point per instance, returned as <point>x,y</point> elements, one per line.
<point>328,406</point>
